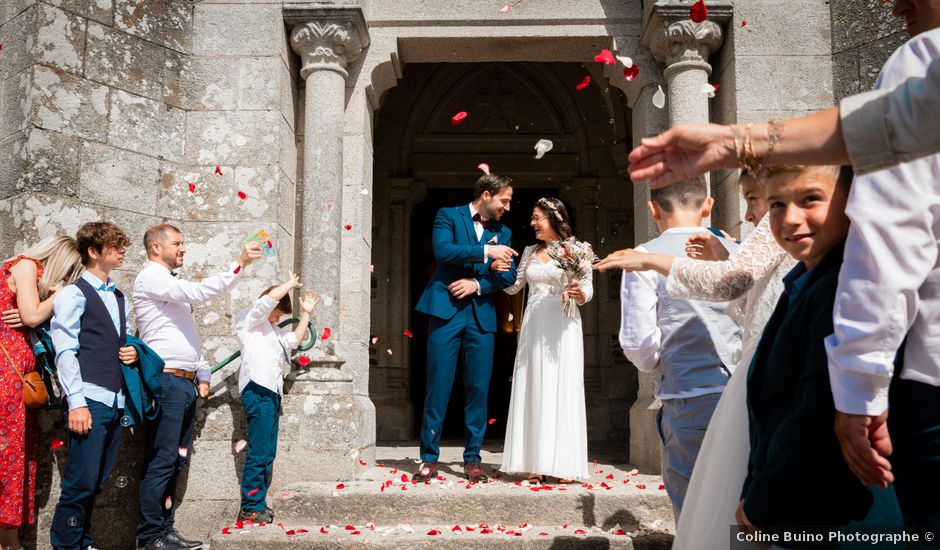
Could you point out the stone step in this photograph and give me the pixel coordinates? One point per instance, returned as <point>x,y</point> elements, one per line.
<point>436,536</point>
<point>630,501</point>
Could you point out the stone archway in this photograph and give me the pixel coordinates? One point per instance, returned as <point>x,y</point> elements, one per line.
<point>419,157</point>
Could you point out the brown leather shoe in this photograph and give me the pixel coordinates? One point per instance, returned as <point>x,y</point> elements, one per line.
<point>474,471</point>
<point>426,472</point>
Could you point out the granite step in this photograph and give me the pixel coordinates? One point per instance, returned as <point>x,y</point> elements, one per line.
<point>437,536</point>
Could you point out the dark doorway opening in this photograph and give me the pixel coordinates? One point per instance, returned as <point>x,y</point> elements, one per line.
<point>504,353</point>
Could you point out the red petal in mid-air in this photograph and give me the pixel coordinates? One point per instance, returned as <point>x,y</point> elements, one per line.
<point>242,195</point>
<point>631,72</point>
<point>458,118</point>
<point>605,57</point>
<point>218,170</point>
<point>326,333</point>
<point>584,83</point>
<point>698,12</point>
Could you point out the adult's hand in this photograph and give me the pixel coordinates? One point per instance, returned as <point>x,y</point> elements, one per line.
<point>682,153</point>
<point>80,420</point>
<point>573,292</point>
<point>707,246</point>
<point>500,252</point>
<point>250,252</point>
<point>626,259</point>
<point>462,288</point>
<point>202,388</point>
<point>11,318</point>
<point>865,445</point>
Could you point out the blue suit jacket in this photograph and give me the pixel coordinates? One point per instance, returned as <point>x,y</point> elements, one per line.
<point>142,383</point>
<point>459,255</point>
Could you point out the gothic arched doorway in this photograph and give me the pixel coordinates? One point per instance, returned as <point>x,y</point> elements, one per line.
<point>424,162</point>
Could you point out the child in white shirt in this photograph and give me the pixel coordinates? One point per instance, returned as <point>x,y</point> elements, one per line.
<point>265,352</point>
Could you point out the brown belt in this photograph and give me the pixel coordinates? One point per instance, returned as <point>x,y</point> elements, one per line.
<point>189,375</point>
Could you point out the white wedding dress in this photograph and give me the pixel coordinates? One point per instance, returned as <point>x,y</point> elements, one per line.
<point>546,431</point>
<point>753,278</point>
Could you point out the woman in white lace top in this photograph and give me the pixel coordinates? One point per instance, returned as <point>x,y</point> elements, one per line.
<point>753,279</point>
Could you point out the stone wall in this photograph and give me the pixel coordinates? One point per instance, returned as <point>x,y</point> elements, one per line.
<point>864,35</point>
<point>110,111</point>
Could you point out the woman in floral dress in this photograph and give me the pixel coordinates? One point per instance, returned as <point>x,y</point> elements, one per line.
<point>29,282</point>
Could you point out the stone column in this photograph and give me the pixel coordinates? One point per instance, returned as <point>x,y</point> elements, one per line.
<point>326,41</point>
<point>326,427</point>
<point>683,46</point>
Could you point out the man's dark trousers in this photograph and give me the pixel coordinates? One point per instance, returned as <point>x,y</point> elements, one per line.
<point>262,407</point>
<point>172,431</point>
<point>445,340</point>
<point>91,460</point>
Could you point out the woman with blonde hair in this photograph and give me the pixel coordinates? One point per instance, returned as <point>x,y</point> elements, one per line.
<point>31,279</point>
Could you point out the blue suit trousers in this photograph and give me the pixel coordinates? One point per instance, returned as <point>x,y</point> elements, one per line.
<point>446,338</point>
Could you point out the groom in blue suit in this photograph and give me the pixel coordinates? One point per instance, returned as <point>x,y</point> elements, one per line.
<point>458,300</point>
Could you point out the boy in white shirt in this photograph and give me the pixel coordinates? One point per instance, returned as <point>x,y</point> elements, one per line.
<point>265,349</point>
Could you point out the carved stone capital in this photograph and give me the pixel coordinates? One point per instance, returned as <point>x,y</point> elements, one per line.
<point>672,37</point>
<point>326,39</point>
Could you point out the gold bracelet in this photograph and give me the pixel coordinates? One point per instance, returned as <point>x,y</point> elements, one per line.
<point>774,129</point>
<point>737,150</point>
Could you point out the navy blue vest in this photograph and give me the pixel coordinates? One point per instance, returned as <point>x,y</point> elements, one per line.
<point>98,342</point>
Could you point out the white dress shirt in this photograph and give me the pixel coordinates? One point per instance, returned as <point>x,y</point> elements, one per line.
<point>165,318</point>
<point>265,347</point>
<point>889,286</point>
<point>478,228</point>
<point>640,336</point>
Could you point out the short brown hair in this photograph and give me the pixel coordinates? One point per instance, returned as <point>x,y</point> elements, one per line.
<point>156,233</point>
<point>284,304</point>
<point>97,236</point>
<point>686,194</point>
<point>492,183</point>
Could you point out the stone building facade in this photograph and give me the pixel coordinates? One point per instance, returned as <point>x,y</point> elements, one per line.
<point>333,119</point>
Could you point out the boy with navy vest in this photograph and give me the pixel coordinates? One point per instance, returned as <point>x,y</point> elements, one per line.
<point>688,345</point>
<point>89,328</point>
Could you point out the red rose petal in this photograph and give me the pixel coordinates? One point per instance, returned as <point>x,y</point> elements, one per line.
<point>350,527</point>
<point>326,333</point>
<point>491,421</point>
<point>610,476</point>
<point>192,187</point>
<point>347,227</point>
<point>486,531</point>
<point>580,532</point>
<point>303,360</point>
<point>543,534</point>
<point>56,444</point>
<point>698,12</point>
<point>744,23</point>
<point>340,486</point>
<point>299,530</point>
<point>605,57</point>
<point>407,333</point>
<point>239,524</point>
<point>631,72</point>
<point>356,533</point>
<point>218,170</point>
<point>662,487</point>
<point>641,486</point>
<point>716,86</point>
<point>242,195</point>
<point>433,532</point>
<point>458,118</point>
<point>457,529</point>
<point>324,531</point>
<point>620,532</point>
<point>254,491</point>
<point>584,83</point>
<point>290,533</point>
<point>237,269</point>
<point>362,463</point>
<point>404,478</point>
<point>226,531</point>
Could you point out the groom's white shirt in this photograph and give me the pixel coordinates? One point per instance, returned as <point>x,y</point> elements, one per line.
<point>889,286</point>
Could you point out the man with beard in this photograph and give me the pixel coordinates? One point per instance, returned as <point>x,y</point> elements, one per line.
<point>458,300</point>
<point>165,322</point>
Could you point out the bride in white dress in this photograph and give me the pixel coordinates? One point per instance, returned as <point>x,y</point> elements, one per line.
<point>753,278</point>
<point>546,434</point>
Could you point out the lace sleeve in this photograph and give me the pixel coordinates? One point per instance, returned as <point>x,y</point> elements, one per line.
<point>730,279</point>
<point>587,285</point>
<point>520,271</point>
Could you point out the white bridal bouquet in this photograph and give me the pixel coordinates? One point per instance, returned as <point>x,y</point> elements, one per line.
<point>576,259</point>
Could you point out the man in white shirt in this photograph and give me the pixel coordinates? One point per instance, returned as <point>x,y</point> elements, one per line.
<point>889,296</point>
<point>166,324</point>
